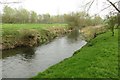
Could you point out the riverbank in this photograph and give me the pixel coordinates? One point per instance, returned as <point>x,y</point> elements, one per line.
<point>15,35</point>
<point>91,32</point>
<point>98,59</point>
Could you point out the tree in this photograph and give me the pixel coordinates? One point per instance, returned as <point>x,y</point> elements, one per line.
<point>39,19</point>
<point>97,20</point>
<point>7,14</point>
<point>15,15</point>
<point>80,20</point>
<point>33,17</point>
<point>72,20</point>
<point>23,17</point>
<point>112,21</point>
<point>46,18</point>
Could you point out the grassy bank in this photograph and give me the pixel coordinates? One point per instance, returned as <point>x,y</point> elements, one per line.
<point>98,59</point>
<point>91,32</point>
<point>14,35</point>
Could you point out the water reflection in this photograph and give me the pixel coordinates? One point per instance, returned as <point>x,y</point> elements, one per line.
<point>25,52</point>
<point>74,36</point>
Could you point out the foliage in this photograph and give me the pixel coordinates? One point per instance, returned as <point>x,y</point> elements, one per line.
<point>111,22</point>
<point>33,17</point>
<point>8,14</point>
<point>97,20</point>
<point>21,15</point>
<point>82,19</point>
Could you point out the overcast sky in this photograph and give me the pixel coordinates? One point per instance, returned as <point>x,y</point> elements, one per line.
<point>55,7</point>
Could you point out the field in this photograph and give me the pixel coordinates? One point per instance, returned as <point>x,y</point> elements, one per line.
<point>11,28</point>
<point>98,59</point>
<point>14,35</point>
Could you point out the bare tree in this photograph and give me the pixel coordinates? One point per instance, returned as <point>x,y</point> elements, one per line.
<point>90,5</point>
<point>113,5</point>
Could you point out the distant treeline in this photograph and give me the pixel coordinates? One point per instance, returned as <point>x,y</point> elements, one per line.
<point>22,15</point>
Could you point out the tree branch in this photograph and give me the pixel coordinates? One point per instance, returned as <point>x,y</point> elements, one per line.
<point>90,5</point>
<point>9,2</point>
<point>113,5</point>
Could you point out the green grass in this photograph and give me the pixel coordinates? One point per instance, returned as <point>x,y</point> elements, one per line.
<point>9,29</point>
<point>98,59</point>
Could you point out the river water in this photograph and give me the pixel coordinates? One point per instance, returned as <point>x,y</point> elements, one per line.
<point>27,62</point>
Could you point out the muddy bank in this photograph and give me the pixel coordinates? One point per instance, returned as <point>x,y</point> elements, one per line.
<point>32,37</point>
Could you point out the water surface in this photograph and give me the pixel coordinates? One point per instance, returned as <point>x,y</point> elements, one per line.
<point>27,62</point>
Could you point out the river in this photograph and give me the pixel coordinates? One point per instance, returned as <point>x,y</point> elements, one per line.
<point>26,62</point>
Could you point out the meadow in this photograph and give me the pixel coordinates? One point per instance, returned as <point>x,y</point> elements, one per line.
<point>11,28</point>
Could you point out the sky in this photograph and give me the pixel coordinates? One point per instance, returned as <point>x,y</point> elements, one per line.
<point>55,7</point>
